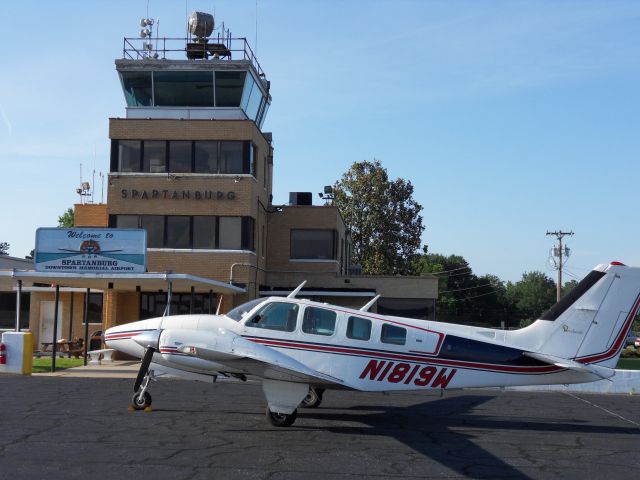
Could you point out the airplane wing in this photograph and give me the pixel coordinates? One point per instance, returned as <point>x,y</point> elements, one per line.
<point>597,370</point>
<point>260,360</point>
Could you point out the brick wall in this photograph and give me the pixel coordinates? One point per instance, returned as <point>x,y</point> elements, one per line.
<point>90,215</point>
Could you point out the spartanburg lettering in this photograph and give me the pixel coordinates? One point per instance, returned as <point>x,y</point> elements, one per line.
<point>134,194</point>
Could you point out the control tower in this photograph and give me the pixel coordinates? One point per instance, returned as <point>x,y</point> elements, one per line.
<point>189,161</point>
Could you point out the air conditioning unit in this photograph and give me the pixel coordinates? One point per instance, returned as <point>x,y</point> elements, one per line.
<point>300,198</point>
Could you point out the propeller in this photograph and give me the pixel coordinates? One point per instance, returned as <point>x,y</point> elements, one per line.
<point>150,341</point>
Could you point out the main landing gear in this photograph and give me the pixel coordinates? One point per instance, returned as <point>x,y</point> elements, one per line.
<point>313,398</point>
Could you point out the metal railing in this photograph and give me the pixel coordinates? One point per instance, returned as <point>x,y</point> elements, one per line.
<point>172,48</point>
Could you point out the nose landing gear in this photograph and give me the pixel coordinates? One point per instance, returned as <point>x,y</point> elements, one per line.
<point>141,399</point>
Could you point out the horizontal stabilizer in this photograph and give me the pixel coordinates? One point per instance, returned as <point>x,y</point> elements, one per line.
<point>597,370</point>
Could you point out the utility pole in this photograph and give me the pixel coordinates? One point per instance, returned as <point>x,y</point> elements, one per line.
<point>558,251</point>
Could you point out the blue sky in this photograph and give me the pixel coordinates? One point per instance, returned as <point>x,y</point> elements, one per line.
<point>509,117</point>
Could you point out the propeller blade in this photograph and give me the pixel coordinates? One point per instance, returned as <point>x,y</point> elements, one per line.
<point>144,367</point>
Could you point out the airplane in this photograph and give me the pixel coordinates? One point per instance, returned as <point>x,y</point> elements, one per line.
<point>300,348</point>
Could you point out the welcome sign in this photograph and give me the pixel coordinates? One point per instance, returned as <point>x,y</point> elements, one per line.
<point>91,250</point>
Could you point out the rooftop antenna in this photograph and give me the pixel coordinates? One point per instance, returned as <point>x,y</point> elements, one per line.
<point>85,188</point>
<point>255,46</point>
<point>297,290</point>
<point>102,189</point>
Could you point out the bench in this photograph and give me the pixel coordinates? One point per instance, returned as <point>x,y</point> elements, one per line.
<point>106,354</point>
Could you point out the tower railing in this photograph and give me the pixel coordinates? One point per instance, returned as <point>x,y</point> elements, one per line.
<point>175,48</point>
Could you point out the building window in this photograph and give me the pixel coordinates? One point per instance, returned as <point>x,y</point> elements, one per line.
<point>94,313</point>
<point>230,233</point>
<point>153,304</point>
<point>204,232</point>
<point>419,308</point>
<point>183,156</point>
<point>359,328</point>
<point>129,155</point>
<point>393,334</point>
<point>319,321</point>
<point>178,231</point>
<point>154,225</point>
<point>313,244</point>
<point>206,157</point>
<point>154,156</point>
<point>180,156</point>
<point>192,232</point>
<point>8,310</point>
<point>276,316</point>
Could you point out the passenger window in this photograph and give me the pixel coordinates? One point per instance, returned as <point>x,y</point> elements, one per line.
<point>359,328</point>
<point>319,321</point>
<point>276,316</point>
<point>393,334</point>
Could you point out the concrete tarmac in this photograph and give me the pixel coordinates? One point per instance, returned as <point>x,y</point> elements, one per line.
<point>66,427</point>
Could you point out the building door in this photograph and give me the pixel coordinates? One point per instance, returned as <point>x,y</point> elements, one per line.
<point>47,310</point>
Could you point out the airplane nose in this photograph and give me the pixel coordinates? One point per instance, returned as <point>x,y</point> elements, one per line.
<point>149,339</point>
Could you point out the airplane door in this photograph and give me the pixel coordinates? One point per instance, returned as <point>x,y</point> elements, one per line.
<point>421,341</point>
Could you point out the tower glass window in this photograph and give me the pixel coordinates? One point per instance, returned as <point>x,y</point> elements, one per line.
<point>137,88</point>
<point>229,87</point>
<point>183,89</point>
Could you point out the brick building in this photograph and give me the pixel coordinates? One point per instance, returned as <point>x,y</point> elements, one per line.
<point>192,166</point>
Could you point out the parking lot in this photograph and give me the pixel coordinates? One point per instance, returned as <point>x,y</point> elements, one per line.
<point>58,427</point>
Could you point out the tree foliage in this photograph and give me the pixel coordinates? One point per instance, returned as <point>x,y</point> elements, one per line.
<point>66,219</point>
<point>466,298</point>
<point>382,216</point>
<point>4,248</point>
<point>531,296</point>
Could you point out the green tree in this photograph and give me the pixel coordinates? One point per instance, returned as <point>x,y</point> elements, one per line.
<point>66,219</point>
<point>531,296</point>
<point>462,296</point>
<point>568,286</point>
<point>4,248</point>
<point>382,216</point>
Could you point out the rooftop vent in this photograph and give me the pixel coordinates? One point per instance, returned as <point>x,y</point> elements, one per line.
<point>300,198</point>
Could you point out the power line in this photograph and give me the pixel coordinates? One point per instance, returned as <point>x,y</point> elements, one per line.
<point>467,288</point>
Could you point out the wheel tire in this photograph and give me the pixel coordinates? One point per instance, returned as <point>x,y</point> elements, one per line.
<point>281,419</point>
<point>313,398</point>
<point>141,403</point>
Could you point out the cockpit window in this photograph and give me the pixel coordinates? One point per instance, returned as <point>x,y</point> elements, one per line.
<point>240,311</point>
<point>276,316</point>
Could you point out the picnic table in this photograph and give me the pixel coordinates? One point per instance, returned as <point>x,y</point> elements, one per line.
<point>64,347</point>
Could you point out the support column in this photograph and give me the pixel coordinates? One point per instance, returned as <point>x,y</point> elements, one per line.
<point>54,346</point>
<point>86,325</point>
<point>18,305</point>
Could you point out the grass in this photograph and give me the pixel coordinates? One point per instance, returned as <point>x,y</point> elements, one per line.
<point>43,365</point>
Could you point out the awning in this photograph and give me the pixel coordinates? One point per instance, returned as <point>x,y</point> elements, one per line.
<point>149,281</point>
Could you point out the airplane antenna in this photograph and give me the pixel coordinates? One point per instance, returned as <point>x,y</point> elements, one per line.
<point>219,306</point>
<point>297,290</point>
<point>369,304</point>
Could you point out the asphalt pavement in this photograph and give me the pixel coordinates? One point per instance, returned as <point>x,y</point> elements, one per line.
<point>64,427</point>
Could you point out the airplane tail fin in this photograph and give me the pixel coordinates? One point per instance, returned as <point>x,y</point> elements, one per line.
<point>589,325</point>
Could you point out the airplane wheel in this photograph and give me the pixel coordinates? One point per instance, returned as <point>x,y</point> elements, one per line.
<point>313,398</point>
<point>281,419</point>
<point>141,402</point>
